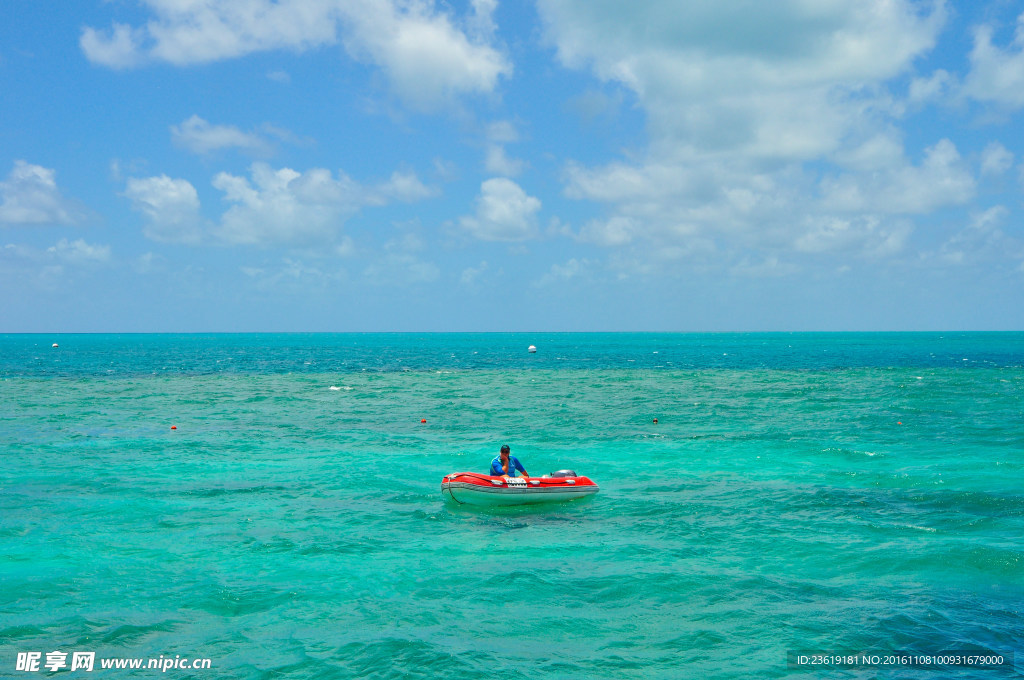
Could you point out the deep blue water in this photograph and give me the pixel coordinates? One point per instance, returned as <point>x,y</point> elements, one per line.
<point>198,354</point>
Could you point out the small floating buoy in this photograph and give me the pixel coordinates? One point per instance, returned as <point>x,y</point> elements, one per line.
<point>55,345</point>
<point>174,427</point>
<point>423,420</point>
<point>531,349</point>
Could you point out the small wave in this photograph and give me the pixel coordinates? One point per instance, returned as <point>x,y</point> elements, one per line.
<point>223,491</point>
<point>335,388</point>
<point>242,600</point>
<point>133,634</point>
<point>916,527</point>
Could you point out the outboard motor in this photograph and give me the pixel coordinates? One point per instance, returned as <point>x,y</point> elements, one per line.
<point>564,473</point>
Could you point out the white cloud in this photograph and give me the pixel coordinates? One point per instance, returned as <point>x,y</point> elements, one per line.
<point>594,104</point>
<point>148,263</point>
<point>982,240</point>
<point>942,179</point>
<point>119,48</point>
<point>616,231</point>
<point>683,210</point>
<point>404,186</point>
<point>295,276</point>
<point>771,129</point>
<point>171,207</point>
<point>47,269</point>
<point>930,89</point>
<point>502,132</point>
<point>286,207</point>
<point>445,170</point>
<point>200,137</point>
<point>425,54</point>
<point>879,153</point>
<point>271,207</point>
<point>867,234</point>
<point>781,80</point>
<point>769,267</point>
<point>79,252</point>
<point>996,159</point>
<point>997,75</point>
<point>504,212</point>
<point>400,264</point>
<point>496,160</point>
<point>560,273</point>
<point>30,195</point>
<point>187,32</point>
<point>480,23</point>
<point>426,57</point>
<point>470,275</point>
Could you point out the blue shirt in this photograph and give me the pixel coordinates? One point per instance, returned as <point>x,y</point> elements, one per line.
<point>513,465</point>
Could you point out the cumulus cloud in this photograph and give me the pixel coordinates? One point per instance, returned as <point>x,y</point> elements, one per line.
<point>171,207</point>
<point>270,207</point>
<point>427,54</point>
<point>933,88</point>
<point>778,80</point>
<point>996,159</point>
<point>497,162</point>
<point>30,195</point>
<point>981,240</point>
<point>279,76</point>
<point>771,128</point>
<point>942,179</point>
<point>285,206</point>
<point>47,268</point>
<point>201,137</point>
<point>997,75</point>
<point>118,48</point>
<point>470,275</point>
<point>401,264</point>
<point>79,252</point>
<point>684,210</point>
<point>504,212</point>
<point>295,276</point>
<point>404,186</point>
<point>865,234</point>
<point>184,32</point>
<point>560,273</point>
<point>769,267</point>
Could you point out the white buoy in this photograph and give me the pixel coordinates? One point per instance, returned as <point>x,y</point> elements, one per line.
<point>55,344</point>
<point>531,349</point>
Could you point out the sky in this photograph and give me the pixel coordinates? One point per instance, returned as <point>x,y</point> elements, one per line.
<point>487,165</point>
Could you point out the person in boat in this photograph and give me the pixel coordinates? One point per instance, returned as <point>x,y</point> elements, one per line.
<point>505,465</point>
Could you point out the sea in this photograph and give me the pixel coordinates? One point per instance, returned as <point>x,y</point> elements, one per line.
<point>834,505</point>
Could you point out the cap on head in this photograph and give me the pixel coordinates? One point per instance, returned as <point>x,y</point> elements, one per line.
<point>505,449</point>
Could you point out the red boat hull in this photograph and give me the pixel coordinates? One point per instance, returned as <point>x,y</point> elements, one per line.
<point>471,488</point>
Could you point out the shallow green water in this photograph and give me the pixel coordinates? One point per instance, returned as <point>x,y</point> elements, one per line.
<point>292,525</point>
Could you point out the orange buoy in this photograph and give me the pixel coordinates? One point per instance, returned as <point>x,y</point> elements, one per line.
<point>423,420</point>
<point>174,427</point>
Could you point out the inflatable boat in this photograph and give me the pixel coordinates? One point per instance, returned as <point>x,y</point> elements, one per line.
<point>470,488</point>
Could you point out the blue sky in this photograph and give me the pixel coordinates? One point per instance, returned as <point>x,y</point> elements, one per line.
<point>563,165</point>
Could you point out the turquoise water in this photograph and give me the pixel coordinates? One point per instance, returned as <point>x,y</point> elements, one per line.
<point>833,493</point>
